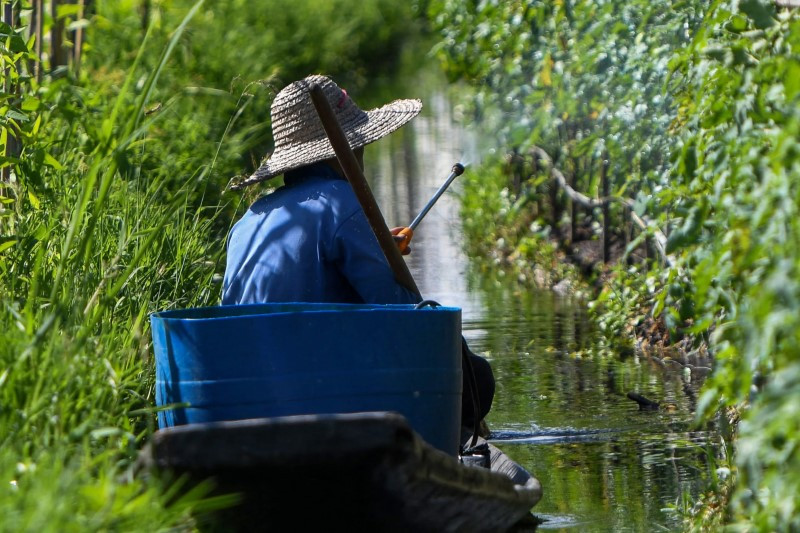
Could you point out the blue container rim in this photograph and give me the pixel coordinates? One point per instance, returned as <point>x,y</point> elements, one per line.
<point>219,312</point>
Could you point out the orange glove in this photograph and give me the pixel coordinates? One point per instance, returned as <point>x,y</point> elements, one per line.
<point>402,237</point>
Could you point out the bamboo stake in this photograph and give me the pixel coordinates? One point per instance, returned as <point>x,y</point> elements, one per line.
<point>12,148</point>
<point>56,38</point>
<point>555,212</point>
<point>145,15</point>
<point>37,21</point>
<point>573,205</point>
<point>606,209</point>
<point>8,12</point>
<point>83,7</point>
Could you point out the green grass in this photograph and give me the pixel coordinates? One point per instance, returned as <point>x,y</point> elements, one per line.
<point>117,210</point>
<point>96,248</point>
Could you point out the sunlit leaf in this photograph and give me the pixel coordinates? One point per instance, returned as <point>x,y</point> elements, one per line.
<point>51,161</point>
<point>6,243</point>
<point>34,200</point>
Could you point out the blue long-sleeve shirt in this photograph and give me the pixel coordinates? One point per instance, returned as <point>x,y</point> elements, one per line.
<point>308,241</point>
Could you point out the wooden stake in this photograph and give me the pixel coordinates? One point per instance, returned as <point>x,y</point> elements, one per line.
<point>83,7</point>
<point>37,21</point>
<point>11,149</point>
<point>145,15</point>
<point>573,205</point>
<point>606,210</point>
<point>56,38</point>
<point>555,210</point>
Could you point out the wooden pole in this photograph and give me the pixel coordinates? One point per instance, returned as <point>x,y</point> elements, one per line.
<point>11,149</point>
<point>77,50</point>
<point>37,21</point>
<point>606,210</point>
<point>628,229</point>
<point>555,210</point>
<point>353,173</point>
<point>539,192</point>
<point>56,38</point>
<point>145,15</point>
<point>355,176</point>
<point>573,205</point>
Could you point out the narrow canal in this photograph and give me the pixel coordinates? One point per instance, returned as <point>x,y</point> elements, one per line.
<point>560,410</point>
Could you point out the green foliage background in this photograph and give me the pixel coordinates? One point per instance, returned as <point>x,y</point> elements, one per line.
<point>116,209</point>
<point>696,108</point>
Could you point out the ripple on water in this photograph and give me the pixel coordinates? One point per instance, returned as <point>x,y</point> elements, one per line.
<point>565,521</point>
<point>553,435</point>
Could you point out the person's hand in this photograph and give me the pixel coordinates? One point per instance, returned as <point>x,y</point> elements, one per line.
<point>402,237</point>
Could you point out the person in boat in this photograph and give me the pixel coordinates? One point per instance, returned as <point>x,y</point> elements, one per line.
<point>309,240</point>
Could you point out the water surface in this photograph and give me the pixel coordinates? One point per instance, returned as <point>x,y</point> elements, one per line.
<point>560,409</point>
<point>563,413</point>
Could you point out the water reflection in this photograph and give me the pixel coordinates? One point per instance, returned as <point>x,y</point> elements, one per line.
<point>560,411</point>
<point>405,170</point>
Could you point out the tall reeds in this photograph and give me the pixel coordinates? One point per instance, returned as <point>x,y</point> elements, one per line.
<point>92,249</point>
<point>113,209</point>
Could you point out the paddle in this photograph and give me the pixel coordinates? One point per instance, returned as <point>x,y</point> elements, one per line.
<point>408,232</point>
<point>353,173</point>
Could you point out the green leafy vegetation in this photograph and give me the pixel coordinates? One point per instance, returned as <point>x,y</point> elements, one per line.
<point>115,209</point>
<point>116,206</point>
<point>512,239</point>
<point>696,108</point>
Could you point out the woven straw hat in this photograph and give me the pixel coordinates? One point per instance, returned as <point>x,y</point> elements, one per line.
<point>298,133</point>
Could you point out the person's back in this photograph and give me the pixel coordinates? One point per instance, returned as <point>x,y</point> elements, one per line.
<point>308,241</point>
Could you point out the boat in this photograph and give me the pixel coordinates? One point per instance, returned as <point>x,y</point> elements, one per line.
<point>320,414</point>
<point>361,471</point>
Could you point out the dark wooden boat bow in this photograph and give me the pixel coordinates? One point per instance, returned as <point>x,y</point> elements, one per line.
<point>361,471</point>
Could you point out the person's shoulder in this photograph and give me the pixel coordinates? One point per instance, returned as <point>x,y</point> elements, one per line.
<point>264,204</point>
<point>340,200</point>
<point>327,190</point>
<point>338,190</point>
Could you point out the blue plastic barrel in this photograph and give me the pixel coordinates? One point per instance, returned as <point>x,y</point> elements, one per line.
<point>268,360</point>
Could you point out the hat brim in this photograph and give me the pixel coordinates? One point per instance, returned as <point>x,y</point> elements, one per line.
<point>378,123</point>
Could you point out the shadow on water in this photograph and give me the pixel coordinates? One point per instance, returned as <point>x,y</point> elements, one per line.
<point>560,410</point>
